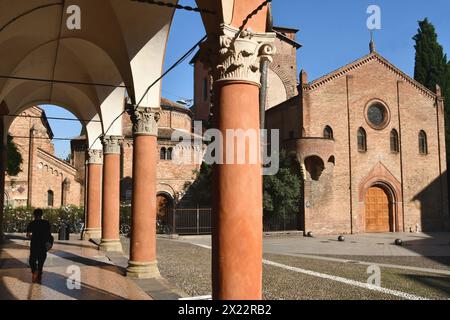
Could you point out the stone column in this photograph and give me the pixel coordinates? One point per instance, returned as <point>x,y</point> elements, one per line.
<point>93,229</point>
<point>237,228</point>
<point>111,194</point>
<point>142,262</point>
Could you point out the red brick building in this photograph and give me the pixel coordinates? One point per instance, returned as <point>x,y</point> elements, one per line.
<point>371,144</point>
<point>45,180</point>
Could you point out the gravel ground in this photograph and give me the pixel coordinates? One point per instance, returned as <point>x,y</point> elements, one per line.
<point>412,261</point>
<point>189,267</point>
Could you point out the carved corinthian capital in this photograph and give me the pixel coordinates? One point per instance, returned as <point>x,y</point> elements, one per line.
<point>111,144</point>
<point>145,120</point>
<point>95,156</point>
<point>239,54</point>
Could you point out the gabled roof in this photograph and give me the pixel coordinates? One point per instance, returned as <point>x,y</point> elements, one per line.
<point>374,56</point>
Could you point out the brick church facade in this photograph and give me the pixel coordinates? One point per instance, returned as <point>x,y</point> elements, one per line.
<point>370,141</point>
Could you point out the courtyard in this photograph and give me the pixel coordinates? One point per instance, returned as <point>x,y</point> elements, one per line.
<point>295,268</point>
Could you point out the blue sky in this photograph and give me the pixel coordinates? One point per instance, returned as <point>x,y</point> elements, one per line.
<point>333,33</point>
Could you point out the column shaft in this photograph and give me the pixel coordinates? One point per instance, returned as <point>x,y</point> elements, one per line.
<point>111,196</point>
<point>143,262</point>
<point>238,258</point>
<point>93,228</point>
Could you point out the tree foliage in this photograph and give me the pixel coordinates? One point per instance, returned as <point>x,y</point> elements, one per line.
<point>432,67</point>
<point>283,191</point>
<point>14,158</point>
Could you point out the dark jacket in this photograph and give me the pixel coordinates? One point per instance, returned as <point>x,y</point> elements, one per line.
<point>40,230</point>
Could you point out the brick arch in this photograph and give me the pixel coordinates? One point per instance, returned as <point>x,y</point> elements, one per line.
<point>283,76</point>
<point>382,177</point>
<point>164,188</point>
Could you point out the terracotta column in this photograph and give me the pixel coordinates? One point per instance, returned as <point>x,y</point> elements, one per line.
<point>111,194</point>
<point>237,238</point>
<point>142,262</point>
<point>93,229</point>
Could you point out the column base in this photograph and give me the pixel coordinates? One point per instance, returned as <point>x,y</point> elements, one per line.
<point>110,246</point>
<point>143,270</point>
<point>92,233</point>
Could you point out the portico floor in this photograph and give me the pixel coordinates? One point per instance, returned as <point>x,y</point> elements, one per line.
<point>100,279</point>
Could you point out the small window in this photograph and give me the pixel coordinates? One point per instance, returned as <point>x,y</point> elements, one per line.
<point>423,145</point>
<point>328,133</point>
<point>362,140</point>
<point>50,198</point>
<point>395,148</point>
<point>162,154</point>
<point>169,154</point>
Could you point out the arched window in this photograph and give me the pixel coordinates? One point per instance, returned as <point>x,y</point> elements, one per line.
<point>162,154</point>
<point>169,153</point>
<point>50,198</point>
<point>395,148</point>
<point>362,140</point>
<point>423,145</point>
<point>315,166</point>
<point>328,133</point>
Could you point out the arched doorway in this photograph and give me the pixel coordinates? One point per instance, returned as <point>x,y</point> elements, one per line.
<point>164,205</point>
<point>379,209</point>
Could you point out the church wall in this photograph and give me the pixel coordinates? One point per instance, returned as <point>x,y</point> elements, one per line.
<point>329,198</point>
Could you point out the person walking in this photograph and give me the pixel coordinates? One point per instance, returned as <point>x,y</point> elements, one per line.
<point>38,231</point>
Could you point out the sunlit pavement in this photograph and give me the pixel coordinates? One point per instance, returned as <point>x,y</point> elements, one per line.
<point>297,267</point>
<point>99,279</point>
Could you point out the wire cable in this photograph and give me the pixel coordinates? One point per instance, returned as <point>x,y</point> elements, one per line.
<point>176,6</point>
<point>178,62</point>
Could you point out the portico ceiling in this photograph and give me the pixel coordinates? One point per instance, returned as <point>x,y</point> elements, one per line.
<point>120,44</point>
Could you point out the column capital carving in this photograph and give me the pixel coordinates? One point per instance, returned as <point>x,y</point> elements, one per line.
<point>237,55</point>
<point>145,120</point>
<point>111,144</point>
<point>95,156</point>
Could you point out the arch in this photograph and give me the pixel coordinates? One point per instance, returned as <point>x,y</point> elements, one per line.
<point>395,146</point>
<point>362,140</point>
<point>165,202</point>
<point>332,160</point>
<point>328,133</point>
<point>50,198</point>
<point>314,166</point>
<point>162,153</point>
<point>169,154</point>
<point>382,177</point>
<point>423,143</point>
<point>379,208</point>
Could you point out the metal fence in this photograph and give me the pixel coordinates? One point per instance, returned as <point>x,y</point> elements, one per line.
<point>197,221</point>
<point>280,223</point>
<point>186,221</point>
